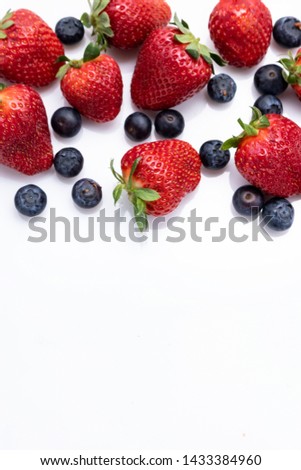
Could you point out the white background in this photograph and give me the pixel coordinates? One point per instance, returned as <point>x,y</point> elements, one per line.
<point>149,345</point>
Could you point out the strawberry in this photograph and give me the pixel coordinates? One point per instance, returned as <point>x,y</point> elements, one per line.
<point>171,67</point>
<point>292,72</point>
<point>93,85</point>
<point>28,49</point>
<point>241,31</point>
<point>125,23</point>
<point>157,175</point>
<point>25,143</point>
<point>268,153</point>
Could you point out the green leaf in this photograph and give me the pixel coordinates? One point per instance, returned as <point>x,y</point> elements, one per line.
<point>133,169</point>
<point>205,53</point>
<point>287,63</point>
<point>105,20</point>
<point>232,142</point>
<point>7,16</point>
<point>105,3</point>
<point>146,194</point>
<point>141,221</point>
<point>62,58</point>
<point>292,79</point>
<point>2,86</point>
<point>217,59</point>
<point>91,52</point>
<point>85,19</point>
<point>139,206</point>
<point>184,38</point>
<point>263,122</point>
<point>256,113</point>
<point>117,175</point>
<point>193,50</point>
<point>2,35</point>
<point>117,192</point>
<point>248,128</point>
<point>108,32</point>
<point>62,71</point>
<point>185,24</point>
<point>7,24</point>
<point>181,25</point>
<point>96,4</point>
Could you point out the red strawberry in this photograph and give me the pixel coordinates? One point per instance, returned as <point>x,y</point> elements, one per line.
<point>268,153</point>
<point>293,69</point>
<point>24,133</point>
<point>126,23</point>
<point>171,67</point>
<point>157,175</point>
<point>241,31</point>
<point>93,85</point>
<point>28,49</point>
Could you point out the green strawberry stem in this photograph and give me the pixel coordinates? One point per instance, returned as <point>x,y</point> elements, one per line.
<point>91,52</point>
<point>138,196</point>
<point>2,86</point>
<point>5,23</point>
<point>258,121</point>
<point>194,48</point>
<point>99,20</point>
<point>292,71</point>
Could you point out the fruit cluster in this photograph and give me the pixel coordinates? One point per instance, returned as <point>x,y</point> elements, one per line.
<point>172,65</point>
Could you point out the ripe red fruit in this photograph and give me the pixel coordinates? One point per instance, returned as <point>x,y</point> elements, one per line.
<point>292,74</point>
<point>126,23</point>
<point>28,49</point>
<point>241,31</point>
<point>93,85</point>
<point>157,175</point>
<point>268,153</point>
<point>171,67</point>
<point>25,143</point>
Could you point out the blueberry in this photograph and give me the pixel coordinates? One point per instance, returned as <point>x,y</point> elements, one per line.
<point>248,200</point>
<point>86,193</point>
<point>169,123</point>
<point>138,126</point>
<point>280,212</point>
<point>221,88</point>
<point>269,104</point>
<point>212,156</point>
<point>30,200</point>
<point>66,121</point>
<point>69,30</point>
<point>287,32</point>
<point>269,80</point>
<point>68,162</point>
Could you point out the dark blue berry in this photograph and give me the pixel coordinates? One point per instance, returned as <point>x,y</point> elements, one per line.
<point>279,213</point>
<point>212,156</point>
<point>30,200</point>
<point>269,104</point>
<point>221,88</point>
<point>68,162</point>
<point>66,121</point>
<point>287,32</point>
<point>86,193</point>
<point>248,200</point>
<point>169,123</point>
<point>269,80</point>
<point>69,30</point>
<point>138,126</point>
